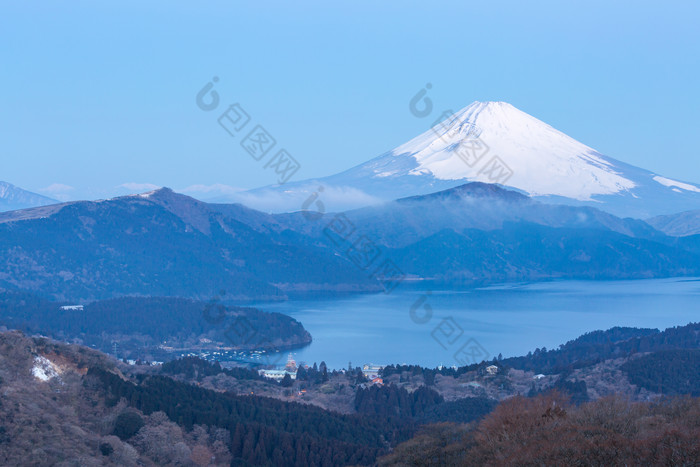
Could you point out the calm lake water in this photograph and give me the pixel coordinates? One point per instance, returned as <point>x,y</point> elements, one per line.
<point>457,327</point>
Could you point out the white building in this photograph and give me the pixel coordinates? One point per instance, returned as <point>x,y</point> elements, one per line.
<point>371,371</point>
<point>277,375</point>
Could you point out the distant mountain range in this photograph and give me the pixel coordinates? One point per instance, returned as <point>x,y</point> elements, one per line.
<point>166,244</point>
<point>160,244</point>
<point>476,206</point>
<point>491,142</point>
<point>12,197</point>
<point>678,225</point>
<point>479,233</point>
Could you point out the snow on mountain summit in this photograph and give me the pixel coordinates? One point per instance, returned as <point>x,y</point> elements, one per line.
<point>543,160</point>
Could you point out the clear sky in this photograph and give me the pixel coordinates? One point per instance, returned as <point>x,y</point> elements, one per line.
<point>97,95</point>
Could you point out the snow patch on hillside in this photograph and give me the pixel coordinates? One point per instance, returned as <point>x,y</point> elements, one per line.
<point>673,183</point>
<point>44,369</point>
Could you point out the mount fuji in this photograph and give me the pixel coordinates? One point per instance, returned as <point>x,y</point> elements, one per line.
<point>491,142</point>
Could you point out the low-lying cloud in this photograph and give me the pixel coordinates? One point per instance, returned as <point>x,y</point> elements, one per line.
<point>134,187</point>
<point>332,198</point>
<point>59,191</point>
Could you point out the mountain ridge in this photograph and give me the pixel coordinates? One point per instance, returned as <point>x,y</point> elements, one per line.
<point>682,224</point>
<point>168,244</point>
<point>132,245</point>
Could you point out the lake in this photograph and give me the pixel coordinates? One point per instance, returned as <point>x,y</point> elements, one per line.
<point>446,327</point>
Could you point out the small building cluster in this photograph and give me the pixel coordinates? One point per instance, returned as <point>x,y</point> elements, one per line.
<point>141,362</point>
<point>278,375</point>
<point>371,371</point>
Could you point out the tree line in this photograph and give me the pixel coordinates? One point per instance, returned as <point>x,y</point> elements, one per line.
<point>263,430</point>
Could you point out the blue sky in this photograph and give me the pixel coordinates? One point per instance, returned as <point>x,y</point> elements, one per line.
<point>96,95</point>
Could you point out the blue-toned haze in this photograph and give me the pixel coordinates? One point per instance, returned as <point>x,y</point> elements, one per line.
<point>98,99</point>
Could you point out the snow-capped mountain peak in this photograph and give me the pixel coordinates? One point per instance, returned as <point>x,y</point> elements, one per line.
<point>541,160</point>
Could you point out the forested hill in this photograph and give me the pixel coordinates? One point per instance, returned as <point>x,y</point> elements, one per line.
<point>62,403</point>
<point>602,345</point>
<point>149,321</point>
<point>162,244</point>
<point>263,431</point>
